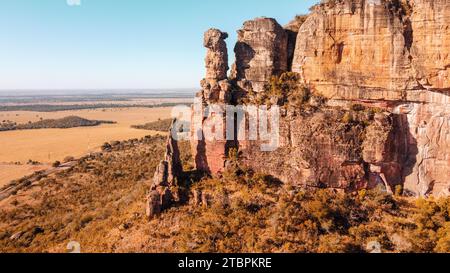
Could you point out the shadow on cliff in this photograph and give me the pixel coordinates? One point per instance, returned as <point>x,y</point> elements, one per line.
<point>200,158</point>
<point>246,54</point>
<point>406,148</point>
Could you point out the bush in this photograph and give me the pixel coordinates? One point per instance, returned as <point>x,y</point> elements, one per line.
<point>56,164</point>
<point>159,125</point>
<point>347,118</point>
<point>286,89</point>
<point>69,159</point>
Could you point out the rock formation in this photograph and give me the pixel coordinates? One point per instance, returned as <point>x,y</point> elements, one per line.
<point>322,149</point>
<point>210,154</point>
<point>386,50</point>
<point>162,192</point>
<point>261,52</point>
<point>390,57</point>
<point>355,49</point>
<point>431,44</point>
<point>215,86</point>
<point>217,55</point>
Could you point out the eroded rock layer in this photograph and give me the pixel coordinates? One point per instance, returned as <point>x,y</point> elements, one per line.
<point>355,50</point>
<point>210,154</point>
<point>388,50</point>
<point>261,52</point>
<point>392,56</point>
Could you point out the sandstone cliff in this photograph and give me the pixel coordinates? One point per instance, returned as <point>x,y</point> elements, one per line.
<point>391,58</point>
<point>396,51</point>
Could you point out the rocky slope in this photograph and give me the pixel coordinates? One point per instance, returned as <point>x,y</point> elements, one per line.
<point>377,109</point>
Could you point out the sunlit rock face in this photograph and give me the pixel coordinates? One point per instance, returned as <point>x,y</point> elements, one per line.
<point>390,54</point>
<point>261,52</point>
<point>427,170</point>
<point>319,150</point>
<point>386,50</point>
<point>210,154</point>
<point>355,49</point>
<point>217,55</point>
<point>430,51</point>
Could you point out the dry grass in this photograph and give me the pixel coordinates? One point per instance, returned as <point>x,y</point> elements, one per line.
<point>99,202</point>
<point>10,172</point>
<point>96,202</point>
<point>49,145</point>
<point>123,116</point>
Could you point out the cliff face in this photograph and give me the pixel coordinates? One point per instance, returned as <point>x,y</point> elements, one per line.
<point>391,56</point>
<point>320,149</point>
<point>354,50</point>
<point>261,51</point>
<point>430,21</point>
<point>394,51</point>
<point>210,154</point>
<point>377,50</point>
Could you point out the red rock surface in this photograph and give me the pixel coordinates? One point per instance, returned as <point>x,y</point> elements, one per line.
<point>389,54</point>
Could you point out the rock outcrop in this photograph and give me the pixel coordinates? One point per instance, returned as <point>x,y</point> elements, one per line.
<point>217,55</point>
<point>430,21</point>
<point>163,192</point>
<point>324,148</point>
<point>210,154</point>
<point>261,52</point>
<point>292,29</point>
<point>386,50</point>
<point>428,141</point>
<point>355,49</point>
<point>215,86</point>
<point>390,56</point>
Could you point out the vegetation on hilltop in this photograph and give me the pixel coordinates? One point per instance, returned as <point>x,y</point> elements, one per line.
<point>56,108</point>
<point>63,123</point>
<point>252,212</point>
<point>161,125</point>
<point>86,203</point>
<point>286,90</point>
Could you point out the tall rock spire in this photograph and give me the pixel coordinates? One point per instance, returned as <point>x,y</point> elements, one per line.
<point>165,180</point>
<point>217,55</point>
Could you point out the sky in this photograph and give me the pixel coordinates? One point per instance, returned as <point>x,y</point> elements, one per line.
<point>119,44</point>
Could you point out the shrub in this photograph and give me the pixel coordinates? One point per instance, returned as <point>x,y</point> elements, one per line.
<point>357,107</point>
<point>56,164</point>
<point>347,118</point>
<point>159,125</point>
<point>69,159</point>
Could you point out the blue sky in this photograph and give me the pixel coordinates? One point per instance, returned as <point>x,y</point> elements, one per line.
<point>104,44</point>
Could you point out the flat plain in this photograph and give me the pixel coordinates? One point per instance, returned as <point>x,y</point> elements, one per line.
<point>49,145</point>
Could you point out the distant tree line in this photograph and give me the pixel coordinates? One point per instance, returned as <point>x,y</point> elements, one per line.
<point>161,125</point>
<point>56,108</point>
<point>63,123</point>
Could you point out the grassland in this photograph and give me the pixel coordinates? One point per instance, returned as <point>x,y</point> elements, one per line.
<point>49,145</point>
<point>11,171</point>
<point>105,189</point>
